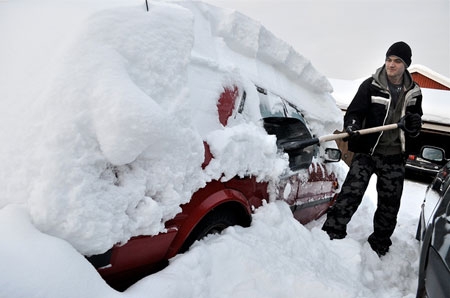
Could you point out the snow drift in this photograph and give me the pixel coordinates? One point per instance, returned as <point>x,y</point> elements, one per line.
<point>117,141</point>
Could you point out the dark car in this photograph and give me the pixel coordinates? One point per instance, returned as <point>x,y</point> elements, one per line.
<point>427,164</point>
<point>308,187</point>
<point>434,234</point>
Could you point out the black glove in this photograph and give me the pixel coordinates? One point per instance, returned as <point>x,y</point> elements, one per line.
<point>353,134</point>
<point>413,123</point>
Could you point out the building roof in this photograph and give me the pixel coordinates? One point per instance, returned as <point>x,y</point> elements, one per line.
<point>426,72</point>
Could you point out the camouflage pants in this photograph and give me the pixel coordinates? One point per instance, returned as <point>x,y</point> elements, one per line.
<point>390,171</point>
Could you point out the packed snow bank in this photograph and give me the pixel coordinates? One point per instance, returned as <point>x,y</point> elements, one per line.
<point>45,264</point>
<point>113,144</point>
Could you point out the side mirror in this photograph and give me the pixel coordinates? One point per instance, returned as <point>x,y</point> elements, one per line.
<point>332,155</point>
<point>433,154</point>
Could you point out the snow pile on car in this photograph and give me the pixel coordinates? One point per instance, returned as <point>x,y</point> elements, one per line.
<point>114,145</point>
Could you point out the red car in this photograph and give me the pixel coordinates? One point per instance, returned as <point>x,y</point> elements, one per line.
<point>221,204</point>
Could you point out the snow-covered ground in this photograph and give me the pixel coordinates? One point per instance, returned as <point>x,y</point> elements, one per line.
<point>274,257</point>
<point>102,118</point>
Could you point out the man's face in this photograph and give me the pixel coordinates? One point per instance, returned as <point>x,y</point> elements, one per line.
<point>394,66</point>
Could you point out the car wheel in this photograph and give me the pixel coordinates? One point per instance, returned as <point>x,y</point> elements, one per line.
<point>213,223</point>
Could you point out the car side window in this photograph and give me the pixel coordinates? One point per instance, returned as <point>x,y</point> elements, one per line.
<point>440,182</point>
<point>292,111</point>
<point>284,120</point>
<point>446,246</point>
<point>446,172</point>
<point>270,105</point>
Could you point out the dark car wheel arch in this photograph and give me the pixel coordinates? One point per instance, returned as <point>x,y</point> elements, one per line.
<point>216,221</point>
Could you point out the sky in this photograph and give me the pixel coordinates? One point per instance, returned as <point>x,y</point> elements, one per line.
<point>348,39</point>
<point>102,122</point>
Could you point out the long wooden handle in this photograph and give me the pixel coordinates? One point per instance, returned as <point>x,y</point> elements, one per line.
<point>295,145</point>
<point>361,132</point>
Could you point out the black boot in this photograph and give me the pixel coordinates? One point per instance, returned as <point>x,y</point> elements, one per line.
<point>380,246</point>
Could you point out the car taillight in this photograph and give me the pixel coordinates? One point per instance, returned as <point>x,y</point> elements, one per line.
<point>411,157</point>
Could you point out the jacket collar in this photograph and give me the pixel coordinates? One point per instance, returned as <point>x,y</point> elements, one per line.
<point>381,79</point>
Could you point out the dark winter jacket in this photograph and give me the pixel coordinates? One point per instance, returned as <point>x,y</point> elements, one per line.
<point>370,106</point>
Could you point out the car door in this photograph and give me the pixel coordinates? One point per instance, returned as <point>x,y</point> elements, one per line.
<point>437,277</point>
<point>307,188</point>
<point>434,273</point>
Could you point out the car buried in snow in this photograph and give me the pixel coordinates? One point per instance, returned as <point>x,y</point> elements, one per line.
<point>219,96</point>
<point>434,235</point>
<point>219,204</point>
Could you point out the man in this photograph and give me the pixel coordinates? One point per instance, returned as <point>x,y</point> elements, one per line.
<point>385,98</point>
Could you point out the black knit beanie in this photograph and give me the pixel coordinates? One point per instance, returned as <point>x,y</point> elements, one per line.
<point>402,50</point>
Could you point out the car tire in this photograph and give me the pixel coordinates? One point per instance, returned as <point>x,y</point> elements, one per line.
<point>213,223</point>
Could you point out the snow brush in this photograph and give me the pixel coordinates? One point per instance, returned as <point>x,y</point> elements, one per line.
<point>296,144</point>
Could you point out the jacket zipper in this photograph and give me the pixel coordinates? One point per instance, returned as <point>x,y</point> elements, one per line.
<point>384,120</point>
